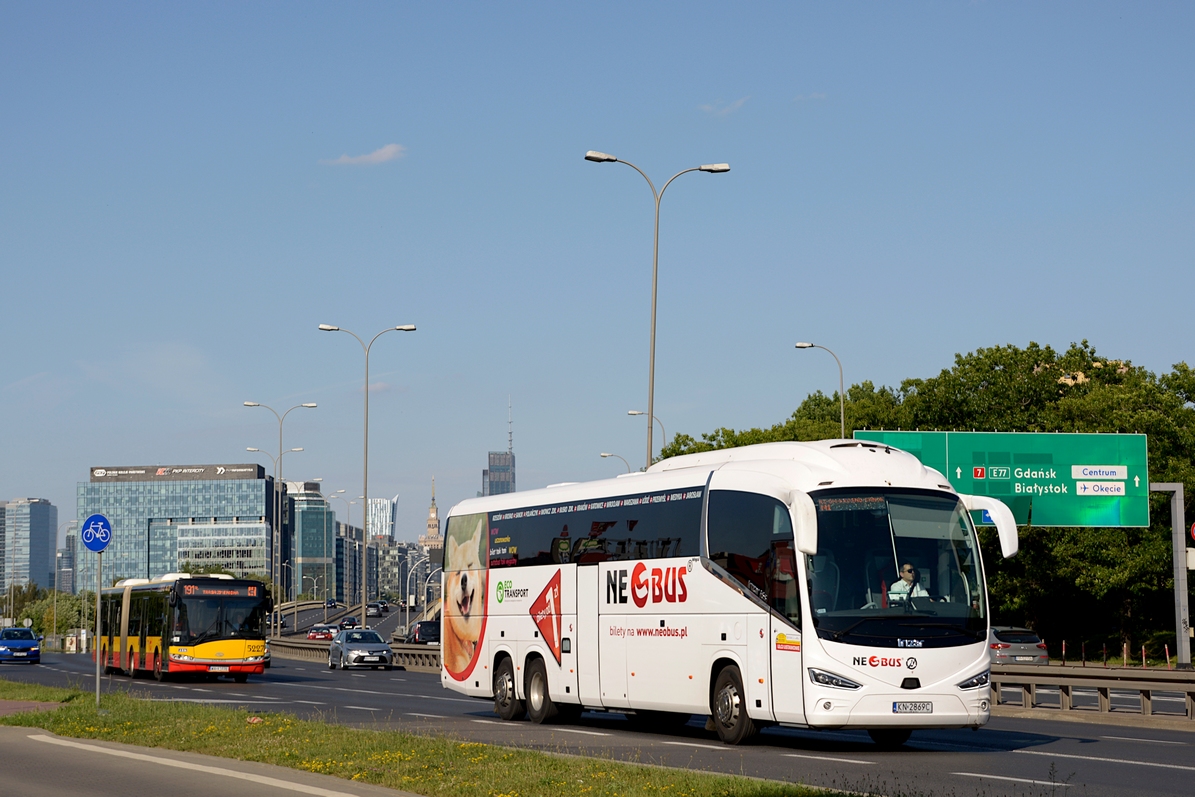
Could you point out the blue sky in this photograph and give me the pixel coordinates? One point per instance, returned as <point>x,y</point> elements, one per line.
<point>190,190</point>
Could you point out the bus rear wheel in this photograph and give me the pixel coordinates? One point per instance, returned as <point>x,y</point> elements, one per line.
<point>506,704</point>
<point>540,707</point>
<point>889,738</point>
<point>729,707</point>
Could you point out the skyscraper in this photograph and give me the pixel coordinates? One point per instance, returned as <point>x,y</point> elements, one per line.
<point>499,477</point>
<point>30,525</point>
<point>381,516</point>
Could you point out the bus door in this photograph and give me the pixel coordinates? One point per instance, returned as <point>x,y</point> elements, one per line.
<point>586,635</point>
<point>612,632</point>
<point>788,676</point>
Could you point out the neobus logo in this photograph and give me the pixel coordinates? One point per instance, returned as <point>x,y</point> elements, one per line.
<point>660,585</point>
<point>880,661</point>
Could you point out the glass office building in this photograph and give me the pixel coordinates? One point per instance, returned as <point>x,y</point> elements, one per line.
<point>313,525</point>
<point>30,526</point>
<point>499,477</point>
<point>163,516</point>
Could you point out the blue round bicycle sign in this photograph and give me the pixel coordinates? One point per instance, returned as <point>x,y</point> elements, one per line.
<point>96,533</point>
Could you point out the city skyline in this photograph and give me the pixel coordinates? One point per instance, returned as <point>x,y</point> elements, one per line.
<point>199,188</point>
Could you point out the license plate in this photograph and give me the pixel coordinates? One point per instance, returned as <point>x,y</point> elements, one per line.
<point>1023,658</point>
<point>217,668</point>
<point>372,658</point>
<point>913,708</point>
<point>19,654</point>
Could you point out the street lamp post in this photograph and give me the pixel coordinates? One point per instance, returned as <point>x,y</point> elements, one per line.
<point>841,392</point>
<point>366,347</point>
<point>426,582</point>
<point>276,557</point>
<point>605,455</point>
<point>407,597</point>
<point>713,168</point>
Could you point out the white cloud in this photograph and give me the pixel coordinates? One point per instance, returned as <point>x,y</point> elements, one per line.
<point>718,109</point>
<point>816,95</point>
<point>387,153</point>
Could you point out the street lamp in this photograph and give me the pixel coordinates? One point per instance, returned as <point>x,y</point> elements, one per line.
<point>407,597</point>
<point>426,582</point>
<point>663,434</point>
<point>348,522</point>
<point>275,570</point>
<point>712,168</point>
<point>604,455</point>
<point>841,392</point>
<point>366,347</point>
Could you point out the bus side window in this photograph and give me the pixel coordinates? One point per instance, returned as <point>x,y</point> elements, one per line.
<point>751,537</point>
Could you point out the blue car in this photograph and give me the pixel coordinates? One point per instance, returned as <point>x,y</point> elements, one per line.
<point>19,644</point>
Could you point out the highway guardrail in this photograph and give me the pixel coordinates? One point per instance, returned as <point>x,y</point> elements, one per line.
<point>416,658</point>
<point>1101,680</point>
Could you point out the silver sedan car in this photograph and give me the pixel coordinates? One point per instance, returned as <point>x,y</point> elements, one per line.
<point>356,647</point>
<point>1016,646</point>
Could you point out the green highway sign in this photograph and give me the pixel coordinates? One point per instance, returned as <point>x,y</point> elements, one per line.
<point>1047,479</point>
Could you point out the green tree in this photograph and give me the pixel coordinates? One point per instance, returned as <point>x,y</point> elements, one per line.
<point>1096,585</point>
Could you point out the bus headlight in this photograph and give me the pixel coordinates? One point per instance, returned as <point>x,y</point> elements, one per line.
<point>824,678</point>
<point>182,657</point>
<point>983,679</point>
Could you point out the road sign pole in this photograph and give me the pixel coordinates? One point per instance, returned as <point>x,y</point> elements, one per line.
<point>1178,525</point>
<point>99,572</point>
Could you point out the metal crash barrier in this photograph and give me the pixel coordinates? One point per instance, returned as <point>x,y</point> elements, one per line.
<point>416,658</point>
<point>1100,682</point>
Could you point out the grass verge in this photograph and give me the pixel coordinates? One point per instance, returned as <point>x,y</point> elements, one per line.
<point>433,766</point>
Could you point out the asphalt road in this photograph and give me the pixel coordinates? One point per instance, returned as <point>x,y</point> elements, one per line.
<point>1008,756</point>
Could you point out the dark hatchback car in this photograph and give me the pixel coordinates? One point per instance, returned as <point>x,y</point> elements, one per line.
<point>19,644</point>
<point>349,622</point>
<point>424,633</point>
<point>1010,645</point>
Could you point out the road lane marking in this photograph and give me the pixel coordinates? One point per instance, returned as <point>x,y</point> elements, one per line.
<point>361,708</point>
<point>398,679</point>
<point>1059,784</point>
<point>387,694</point>
<point>271,701</point>
<point>828,758</point>
<point>310,702</point>
<point>431,716</point>
<point>489,722</point>
<point>576,730</point>
<point>694,744</point>
<point>170,762</point>
<point>356,675</point>
<point>1106,760</point>
<point>1133,739</point>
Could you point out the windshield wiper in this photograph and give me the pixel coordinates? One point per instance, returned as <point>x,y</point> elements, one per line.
<point>960,629</point>
<point>844,631</point>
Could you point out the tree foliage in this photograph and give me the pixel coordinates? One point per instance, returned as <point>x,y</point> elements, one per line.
<point>1083,584</point>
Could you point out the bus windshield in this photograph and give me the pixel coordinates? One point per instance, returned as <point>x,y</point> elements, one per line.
<point>203,619</point>
<point>896,568</point>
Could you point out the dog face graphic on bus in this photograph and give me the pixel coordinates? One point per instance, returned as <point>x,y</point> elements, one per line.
<point>464,597</point>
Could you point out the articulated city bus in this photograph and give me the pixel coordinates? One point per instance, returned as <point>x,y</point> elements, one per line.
<point>211,625</point>
<point>834,584</point>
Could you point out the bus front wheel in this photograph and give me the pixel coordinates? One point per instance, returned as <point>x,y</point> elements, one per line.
<point>506,704</point>
<point>159,673</point>
<point>730,708</point>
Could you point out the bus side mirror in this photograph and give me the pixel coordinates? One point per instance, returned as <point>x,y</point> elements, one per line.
<point>805,515</point>
<point>1001,515</point>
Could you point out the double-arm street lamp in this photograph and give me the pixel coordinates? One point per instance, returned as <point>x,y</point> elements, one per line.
<point>712,168</point>
<point>663,434</point>
<point>276,555</point>
<point>841,392</point>
<point>366,347</point>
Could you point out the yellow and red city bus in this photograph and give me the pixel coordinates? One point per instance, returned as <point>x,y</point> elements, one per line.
<point>178,623</point>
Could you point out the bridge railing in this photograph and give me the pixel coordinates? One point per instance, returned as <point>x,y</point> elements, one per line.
<point>416,658</point>
<point>1101,681</point>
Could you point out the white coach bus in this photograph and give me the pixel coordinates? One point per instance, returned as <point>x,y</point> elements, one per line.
<point>833,584</point>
